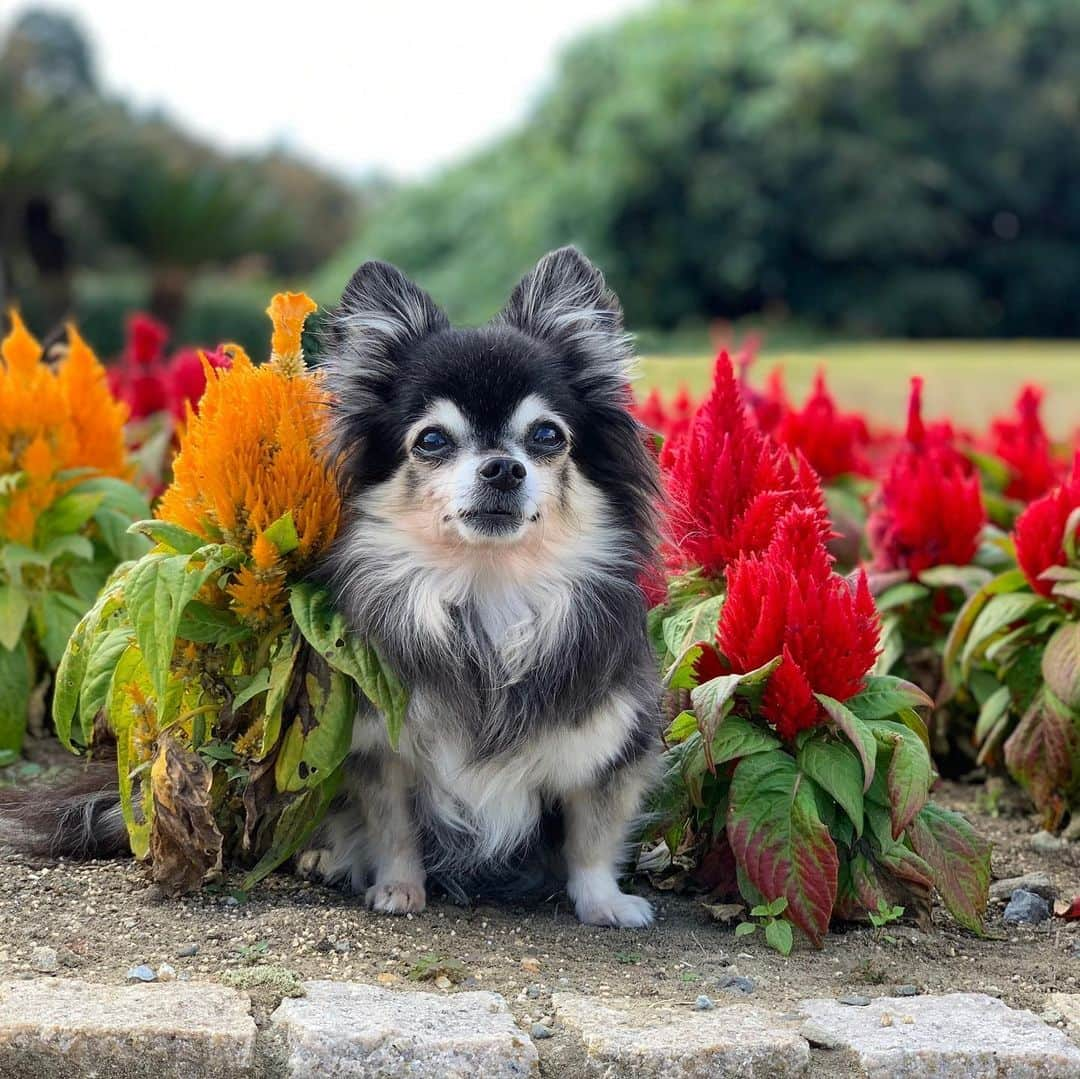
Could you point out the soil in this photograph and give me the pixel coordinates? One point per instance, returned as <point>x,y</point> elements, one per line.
<point>104,918</point>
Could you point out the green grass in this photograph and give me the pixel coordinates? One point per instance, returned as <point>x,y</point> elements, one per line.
<point>967,380</point>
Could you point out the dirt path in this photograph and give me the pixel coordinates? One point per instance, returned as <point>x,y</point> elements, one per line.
<point>103,918</point>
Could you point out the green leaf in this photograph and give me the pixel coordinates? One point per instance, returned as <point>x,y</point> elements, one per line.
<point>998,613</point>
<point>1010,581</point>
<point>744,929</point>
<point>67,514</point>
<point>900,595</point>
<point>282,661</point>
<point>113,527</point>
<point>968,578</point>
<point>738,737</point>
<point>692,624</point>
<point>309,754</point>
<point>836,769</point>
<point>712,700</point>
<point>258,683</point>
<point>856,732</point>
<point>14,609</point>
<point>325,630</point>
<point>891,641</point>
<point>56,615</point>
<point>158,590</point>
<point>681,727</point>
<point>166,534</point>
<point>210,625</point>
<point>1061,664</point>
<point>282,534</point>
<point>960,860</point>
<point>780,842</point>
<point>128,695</point>
<point>884,695</point>
<point>909,772</point>
<point>996,705</point>
<point>779,937</point>
<point>119,496</point>
<point>78,547</point>
<point>682,673</point>
<point>16,685</point>
<point>103,653</point>
<point>294,827</point>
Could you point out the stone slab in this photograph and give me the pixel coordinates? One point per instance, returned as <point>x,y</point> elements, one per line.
<point>629,1039</point>
<point>351,1029</point>
<point>177,1030</point>
<point>952,1036</point>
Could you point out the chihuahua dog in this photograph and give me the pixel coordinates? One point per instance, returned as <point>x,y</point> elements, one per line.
<point>499,512</point>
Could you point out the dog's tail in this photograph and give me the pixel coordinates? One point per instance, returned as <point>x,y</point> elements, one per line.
<point>79,818</point>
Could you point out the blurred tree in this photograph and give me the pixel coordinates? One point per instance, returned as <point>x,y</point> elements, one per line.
<point>876,165</point>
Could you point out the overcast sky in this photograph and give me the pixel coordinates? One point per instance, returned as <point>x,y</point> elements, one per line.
<point>398,86</point>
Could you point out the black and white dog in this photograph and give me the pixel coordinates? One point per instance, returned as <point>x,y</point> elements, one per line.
<point>500,511</point>
<point>500,507</point>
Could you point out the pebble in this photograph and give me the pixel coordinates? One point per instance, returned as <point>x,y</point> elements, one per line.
<point>141,973</point>
<point>1026,908</point>
<point>1050,1016</point>
<point>166,973</point>
<point>703,1004</point>
<point>539,1032</point>
<point>1038,882</point>
<point>907,991</point>
<point>532,992</point>
<point>854,1000</point>
<point>1047,842</point>
<point>44,960</point>
<point>186,951</point>
<point>737,983</point>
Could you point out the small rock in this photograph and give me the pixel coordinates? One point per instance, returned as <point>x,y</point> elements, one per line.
<point>1048,1015</point>
<point>886,1019</point>
<point>703,1004</point>
<point>532,992</point>
<point>44,960</point>
<point>531,964</point>
<point>1026,908</point>
<point>443,982</point>
<point>387,977</point>
<point>1039,883</point>
<point>142,973</point>
<point>1047,843</point>
<point>166,973</point>
<point>907,991</point>
<point>737,983</point>
<point>539,1032</point>
<point>854,1000</point>
<point>186,951</point>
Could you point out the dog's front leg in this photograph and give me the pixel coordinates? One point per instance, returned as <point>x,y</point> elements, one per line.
<point>393,842</point>
<point>597,822</point>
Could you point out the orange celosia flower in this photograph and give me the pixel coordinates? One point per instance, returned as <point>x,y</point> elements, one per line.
<point>52,421</point>
<point>252,454</point>
<point>289,312</point>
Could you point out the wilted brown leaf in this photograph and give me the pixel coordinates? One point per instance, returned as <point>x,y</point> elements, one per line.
<point>185,843</point>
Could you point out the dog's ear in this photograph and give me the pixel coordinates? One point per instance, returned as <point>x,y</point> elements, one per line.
<point>380,311</point>
<point>564,300</point>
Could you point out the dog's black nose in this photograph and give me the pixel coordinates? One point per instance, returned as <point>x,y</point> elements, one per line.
<point>502,473</point>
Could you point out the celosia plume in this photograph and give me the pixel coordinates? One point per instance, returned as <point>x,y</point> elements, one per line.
<point>1040,530</point>
<point>787,601</point>
<point>1023,444</point>
<point>252,454</point>
<point>832,441</point>
<point>729,485</point>
<point>51,422</point>
<point>929,510</point>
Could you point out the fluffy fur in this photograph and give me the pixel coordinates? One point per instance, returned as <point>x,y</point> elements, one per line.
<point>532,728</point>
<point>499,512</point>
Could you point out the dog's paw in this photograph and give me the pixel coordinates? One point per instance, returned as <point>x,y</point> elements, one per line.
<point>312,865</point>
<point>397,897</point>
<point>619,910</point>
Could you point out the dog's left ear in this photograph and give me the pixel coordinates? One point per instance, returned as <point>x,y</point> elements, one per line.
<point>565,301</point>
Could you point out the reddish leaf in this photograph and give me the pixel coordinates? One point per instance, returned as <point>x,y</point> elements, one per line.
<point>779,840</point>
<point>909,772</point>
<point>1040,755</point>
<point>1061,664</point>
<point>716,871</point>
<point>960,859</point>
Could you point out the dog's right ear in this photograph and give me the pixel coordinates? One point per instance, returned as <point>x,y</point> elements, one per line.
<point>381,310</point>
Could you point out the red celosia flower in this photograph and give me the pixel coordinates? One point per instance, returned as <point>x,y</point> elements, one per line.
<point>788,602</point>
<point>832,441</point>
<point>1040,530</point>
<point>187,378</point>
<point>729,484</point>
<point>146,339</point>
<point>929,511</point>
<point>1022,443</point>
<point>771,404</point>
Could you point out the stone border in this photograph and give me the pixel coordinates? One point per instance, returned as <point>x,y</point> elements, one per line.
<point>53,1027</point>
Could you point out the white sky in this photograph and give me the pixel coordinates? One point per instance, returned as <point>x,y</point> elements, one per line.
<point>398,86</point>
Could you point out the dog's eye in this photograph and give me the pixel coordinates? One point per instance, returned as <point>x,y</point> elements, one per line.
<point>432,440</point>
<point>547,436</point>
